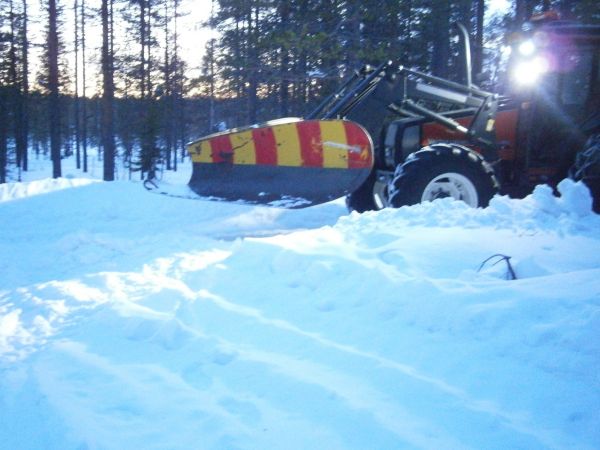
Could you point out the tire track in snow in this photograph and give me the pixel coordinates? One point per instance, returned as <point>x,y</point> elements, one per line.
<point>125,287</point>
<point>353,390</point>
<point>151,392</point>
<point>129,294</point>
<point>512,420</point>
<point>515,421</point>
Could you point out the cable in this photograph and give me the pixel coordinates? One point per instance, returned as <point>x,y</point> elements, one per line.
<point>511,275</point>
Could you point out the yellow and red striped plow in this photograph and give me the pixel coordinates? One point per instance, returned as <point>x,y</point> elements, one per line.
<point>312,143</point>
<point>311,161</point>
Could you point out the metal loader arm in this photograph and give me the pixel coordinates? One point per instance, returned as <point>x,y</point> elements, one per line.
<point>371,93</point>
<point>357,87</point>
<point>421,87</point>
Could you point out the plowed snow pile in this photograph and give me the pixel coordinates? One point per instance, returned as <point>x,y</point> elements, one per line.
<point>137,321</point>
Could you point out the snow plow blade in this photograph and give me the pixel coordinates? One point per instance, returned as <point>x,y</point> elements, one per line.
<point>289,163</point>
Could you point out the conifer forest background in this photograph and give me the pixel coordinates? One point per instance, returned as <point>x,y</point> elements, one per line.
<point>110,75</point>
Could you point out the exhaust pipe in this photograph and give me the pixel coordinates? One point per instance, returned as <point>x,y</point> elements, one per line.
<point>466,43</point>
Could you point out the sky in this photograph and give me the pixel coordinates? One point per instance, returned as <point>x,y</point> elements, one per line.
<point>194,35</point>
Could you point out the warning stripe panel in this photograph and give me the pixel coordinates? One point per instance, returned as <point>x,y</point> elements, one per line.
<point>244,150</point>
<point>221,149</point>
<point>200,152</point>
<point>335,145</point>
<point>359,154</point>
<point>266,146</point>
<point>288,145</point>
<point>311,143</point>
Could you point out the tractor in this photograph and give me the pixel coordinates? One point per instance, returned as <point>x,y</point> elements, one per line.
<point>469,144</point>
<point>394,136</point>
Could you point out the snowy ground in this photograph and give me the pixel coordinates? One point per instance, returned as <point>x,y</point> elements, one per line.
<point>132,320</point>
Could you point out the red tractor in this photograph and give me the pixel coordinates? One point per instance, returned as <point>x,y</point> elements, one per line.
<point>393,136</point>
<point>455,140</point>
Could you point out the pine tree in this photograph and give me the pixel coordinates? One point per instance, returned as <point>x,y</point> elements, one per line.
<point>144,73</point>
<point>108,90</point>
<point>5,88</point>
<point>22,114</point>
<point>54,109</point>
<point>84,117</point>
<point>76,100</point>
<point>172,71</point>
<point>478,43</point>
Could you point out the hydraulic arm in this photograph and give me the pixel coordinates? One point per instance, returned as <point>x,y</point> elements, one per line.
<point>372,93</point>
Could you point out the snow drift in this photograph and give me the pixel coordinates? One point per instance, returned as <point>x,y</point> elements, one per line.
<point>131,320</point>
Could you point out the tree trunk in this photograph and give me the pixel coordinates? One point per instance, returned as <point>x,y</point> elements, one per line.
<point>54,107</point>
<point>178,104</point>
<point>16,96</point>
<point>211,85</point>
<point>253,64</point>
<point>23,122</point>
<point>353,44</point>
<point>77,118</point>
<point>148,113</point>
<point>441,38</point>
<point>108,142</point>
<point>406,30</point>
<point>284,84</point>
<point>83,91</point>
<point>3,133</point>
<point>168,123</point>
<point>478,47</point>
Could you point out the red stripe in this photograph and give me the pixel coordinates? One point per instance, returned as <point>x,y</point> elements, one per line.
<point>265,145</point>
<point>221,149</point>
<point>311,144</point>
<point>361,154</point>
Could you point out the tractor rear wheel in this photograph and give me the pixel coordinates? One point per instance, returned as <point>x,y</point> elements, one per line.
<point>587,168</point>
<point>443,170</point>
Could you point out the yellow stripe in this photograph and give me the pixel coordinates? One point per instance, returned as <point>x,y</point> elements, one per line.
<point>193,149</point>
<point>288,145</point>
<point>335,149</point>
<point>200,151</point>
<point>244,151</point>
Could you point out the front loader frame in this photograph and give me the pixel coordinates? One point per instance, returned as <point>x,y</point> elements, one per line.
<point>373,93</point>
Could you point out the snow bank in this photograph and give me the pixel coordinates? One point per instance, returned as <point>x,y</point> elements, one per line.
<point>13,191</point>
<point>135,320</point>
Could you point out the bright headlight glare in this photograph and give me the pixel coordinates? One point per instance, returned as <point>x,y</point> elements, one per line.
<point>528,72</point>
<point>527,48</point>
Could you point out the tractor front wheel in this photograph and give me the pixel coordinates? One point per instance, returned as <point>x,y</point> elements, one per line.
<point>443,170</point>
<point>372,195</point>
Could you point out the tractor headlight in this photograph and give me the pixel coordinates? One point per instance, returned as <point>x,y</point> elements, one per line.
<point>528,72</point>
<point>527,48</point>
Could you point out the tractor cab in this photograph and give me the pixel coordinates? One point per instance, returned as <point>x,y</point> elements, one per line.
<point>554,74</point>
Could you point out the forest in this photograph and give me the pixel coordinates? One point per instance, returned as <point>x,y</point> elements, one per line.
<point>119,83</point>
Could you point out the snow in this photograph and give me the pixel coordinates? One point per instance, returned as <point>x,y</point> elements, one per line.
<point>134,320</point>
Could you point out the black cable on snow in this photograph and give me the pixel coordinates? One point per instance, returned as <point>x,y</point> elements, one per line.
<point>510,274</point>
